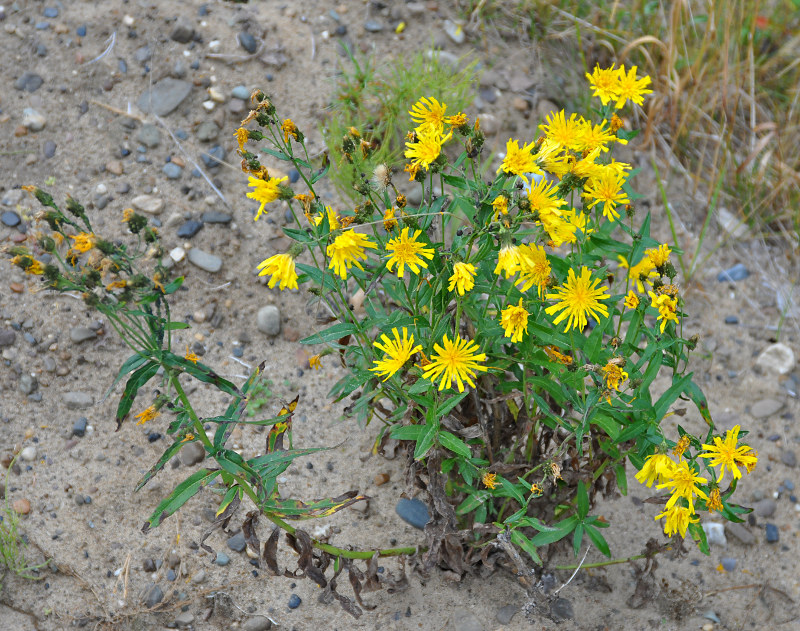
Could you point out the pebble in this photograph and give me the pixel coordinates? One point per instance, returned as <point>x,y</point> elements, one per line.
<point>189,229</point>
<point>236,106</point>
<point>738,531</point>
<point>80,334</point>
<point>715,533</point>
<point>29,82</point>
<point>50,12</point>
<point>268,320</point>
<point>765,408</point>
<point>214,216</point>
<point>192,453</point>
<point>222,559</point>
<point>257,623</point>
<point>78,400</point>
<point>149,135</point>
<point>149,565</point>
<point>149,204</point>
<point>28,453</point>
<point>183,31</point>
<point>454,31</point>
<point>164,97</point>
<point>789,458</point>
<point>172,171</point>
<point>152,595</point>
<point>373,26</point>
<point>778,358</point>
<point>237,542</point>
<point>81,31</point>
<point>79,427</point>
<point>248,42</point>
<point>213,157</point>
<point>413,511</point>
<point>489,123</point>
<point>728,564</point>
<point>10,219</point>
<point>21,506</point>
<point>7,337</point>
<point>143,54</point>
<point>506,613</point>
<point>33,120</point>
<point>207,131</point>
<point>737,272</point>
<point>731,319</point>
<point>13,197</point>
<point>561,609</point>
<point>199,577</point>
<point>241,92</point>
<point>27,384</point>
<point>184,620</point>
<point>772,533</point>
<point>115,167</point>
<point>177,254</point>
<point>294,601</point>
<point>205,261</point>
<point>765,507</point>
<point>49,149</point>
<point>730,224</point>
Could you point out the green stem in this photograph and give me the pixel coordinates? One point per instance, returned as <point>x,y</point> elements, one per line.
<point>602,563</point>
<point>198,425</point>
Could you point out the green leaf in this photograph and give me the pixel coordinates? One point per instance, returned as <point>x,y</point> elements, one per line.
<point>577,538</point>
<point>473,501</point>
<point>201,372</point>
<point>319,277</point>
<point>295,509</point>
<point>448,405</point>
<point>174,326</point>
<point>425,441</point>
<point>669,397</point>
<point>298,235</point>
<point>408,432</point>
<point>173,285</point>
<point>179,496</point>
<point>135,381</point>
<point>526,544</point>
<point>622,479</point>
<point>335,332</point>
<point>165,457</point>
<point>277,154</point>
<point>699,536</point>
<point>582,499</point>
<point>561,530</point>
<point>454,444</point>
<point>321,173</point>
<point>129,365</point>
<point>592,345</point>
<point>509,489</point>
<point>598,540</point>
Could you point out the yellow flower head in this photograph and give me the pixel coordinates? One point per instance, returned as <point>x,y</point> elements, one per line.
<point>406,250</point>
<point>289,129</point>
<point>428,111</point>
<point>683,481</point>
<point>681,446</point>
<point>640,273</point>
<point>605,83</point>
<point>519,161</point>
<point>565,132</point>
<point>412,170</point>
<point>607,190</point>
<point>536,489</point>
<point>463,278</point>
<point>396,351</point>
<point>577,297</point>
<point>489,480</point>
<point>147,415</point>
<point>544,199</point>
<point>659,256</point>
<point>714,501</point>
<point>514,320</point>
<point>84,241</point>
<point>678,520</point>
<point>457,359</point>
<point>346,250</point>
<point>281,268</point>
<point>457,120</point>
<point>500,205</point>
<point>508,260</point>
<point>127,215</point>
<point>333,219</point>
<point>534,268</point>
<point>631,300</point>
<point>389,222</point>
<point>314,361</point>
<point>558,227</point>
<point>241,137</point>
<point>598,136</point>
<point>555,355</point>
<point>725,454</point>
<point>657,467</point>
<point>427,147</point>
<point>264,191</point>
<point>667,308</point>
<point>190,356</point>
<point>614,375</point>
<point>630,88</point>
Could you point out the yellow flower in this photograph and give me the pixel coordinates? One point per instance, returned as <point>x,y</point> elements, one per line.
<point>578,296</point>
<point>607,189</point>
<point>561,130</point>
<point>190,356</point>
<point>427,147</point>
<point>639,273</point>
<point>428,111</point>
<point>457,120</point>
<point>489,480</point>
<point>241,137</point>
<point>407,251</point>
<point>656,467</point>
<point>333,219</point>
<point>605,83</point>
<point>455,360</point>
<point>346,250</point>
<point>147,415</point>
<point>555,471</point>
<point>508,260</point>
<point>514,320</point>
<point>559,229</point>
<point>536,489</point>
<point>714,501</point>
<point>265,191</point>
<point>412,170</point>
<point>519,161</point>
<point>500,205</point>
<point>534,268</point>
<point>678,520</point>
<point>588,167</point>
<point>667,308</point>
<point>84,241</point>
<point>314,362</point>
<point>614,375</point>
<point>725,454</point>
<point>553,353</point>
<point>305,199</point>
<point>127,215</point>
<point>397,352</point>
<point>463,277</point>
<point>631,300</point>
<point>598,136</point>
<point>629,88</point>
<point>751,464</point>
<point>683,481</point>
<point>543,198</point>
<point>289,129</point>
<point>389,222</point>
<point>681,446</point>
<point>117,284</point>
<point>659,256</point>
<point>281,268</point>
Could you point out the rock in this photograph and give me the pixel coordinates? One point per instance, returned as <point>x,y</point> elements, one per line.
<point>192,453</point>
<point>148,565</point>
<point>489,124</point>
<point>49,149</point>
<point>506,613</point>
<point>7,337</point>
<point>213,216</point>
<point>81,31</point>
<point>189,229</point>
<point>80,334</point>
<point>241,92</point>
<point>143,54</point>
<point>28,384</point>
<point>184,620</point>
<point>772,534</point>
<point>172,171</point>
<point>777,358</point>
<point>183,31</point>
<point>373,26</point>
<point>149,136</point>
<point>33,120</point>
<point>257,623</point>
<point>152,595</point>
<point>789,458</point>
<point>488,94</point>
<point>294,601</point>
<point>765,408</point>
<point>115,167</point>
<point>149,204</point>
<point>454,31</point>
<point>199,577</point>
<point>268,320</point>
<point>715,533</point>
<point>164,97</point>
<point>237,542</point>
<point>561,609</point>
<point>10,219</point>
<point>205,261</point>
<point>213,157</point>
<point>728,564</point>
<point>730,224</point>
<point>413,511</point>
<point>177,254</point>
<point>765,507</point>
<point>465,620</point>
<point>28,453</point>
<point>731,319</point>
<point>207,131</point>
<point>78,400</point>
<point>50,12</point>
<point>13,197</point>
<point>79,427</point>
<point>737,272</point>
<point>222,559</point>
<point>29,82</point>
<point>248,42</point>
<point>21,506</point>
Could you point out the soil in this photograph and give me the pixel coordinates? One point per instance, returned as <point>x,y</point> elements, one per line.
<point>84,515</point>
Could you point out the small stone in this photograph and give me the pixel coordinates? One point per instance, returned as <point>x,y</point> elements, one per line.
<point>213,216</point>
<point>257,623</point>
<point>561,609</point>
<point>213,157</point>
<point>222,559</point>
<point>728,564</point>
<point>184,620</point>
<point>715,533</point>
<point>235,106</point>
<point>765,408</point>
<point>172,171</point>
<point>465,620</point>
<point>241,92</point>
<point>268,320</point>
<point>33,120</point>
<point>149,204</point>
<point>489,123</point>
<point>183,31</point>
<point>78,400</point>
<point>27,384</point>
<point>49,149</point>
<point>765,507</point>
<point>29,82</point>
<point>164,97</point>
<point>80,334</point>
<point>454,31</point>
<point>79,427</point>
<point>152,595</point>
<point>373,26</point>
<point>489,95</point>
<point>28,453</point>
<point>199,577</point>
<point>189,229</point>
<point>192,453</point>
<point>50,12</point>
<point>10,219</point>
<point>149,136</point>
<point>772,534</point>
<point>248,42</point>
<point>777,358</point>
<point>177,254</point>
<point>732,274</point>
<point>506,613</point>
<point>21,506</point>
<point>205,261</point>
<point>207,131</point>
<point>520,104</point>
<point>237,542</point>
<point>143,54</point>
<point>7,337</point>
<point>148,565</point>
<point>789,458</point>
<point>294,601</point>
<point>115,167</point>
<point>730,224</point>
<point>413,512</point>
<point>381,479</point>
<point>731,319</point>
<point>81,31</point>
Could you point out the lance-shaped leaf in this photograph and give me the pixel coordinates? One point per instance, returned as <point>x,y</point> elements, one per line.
<point>129,365</point>
<point>179,496</point>
<point>235,409</point>
<point>295,509</point>
<point>135,381</point>
<point>201,372</point>
<point>165,457</point>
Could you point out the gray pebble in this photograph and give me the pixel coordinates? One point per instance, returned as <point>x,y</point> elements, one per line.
<point>172,171</point>
<point>143,54</point>
<point>454,31</point>
<point>33,120</point>
<point>149,135</point>
<point>81,31</point>
<point>731,319</point>
<point>171,576</point>
<point>268,320</point>
<point>737,272</point>
<point>765,408</point>
<point>772,533</point>
<point>740,533</point>
<point>50,12</point>
<point>28,454</point>
<point>488,95</point>
<point>241,92</point>
<point>49,149</point>
<point>80,334</point>
<point>29,81</point>
<point>79,427</point>
<point>27,383</point>
<point>148,565</point>
<point>214,216</point>
<point>123,66</point>
<point>184,620</point>
<point>294,601</point>
<point>183,31</point>
<point>7,337</point>
<point>248,42</point>
<point>506,613</point>
<point>257,623</point>
<point>222,559</point>
<point>179,70</point>
<point>213,157</point>
<point>765,507</point>
<point>729,564</point>
<point>204,260</point>
<point>165,96</point>
<point>152,595</point>
<point>13,197</point>
<point>101,202</point>
<point>207,131</point>
<point>237,542</point>
<point>49,364</point>
<point>192,453</point>
<point>149,204</point>
<point>789,458</point>
<point>189,229</point>
<point>199,577</point>
<point>78,400</point>
<point>373,26</point>
<point>413,511</point>
<point>561,609</point>
<point>42,26</point>
<point>10,219</point>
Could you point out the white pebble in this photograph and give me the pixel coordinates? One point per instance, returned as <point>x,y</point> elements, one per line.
<point>128,20</point>
<point>177,254</point>
<point>214,44</point>
<point>208,105</point>
<point>216,95</point>
<point>715,533</point>
<point>28,453</point>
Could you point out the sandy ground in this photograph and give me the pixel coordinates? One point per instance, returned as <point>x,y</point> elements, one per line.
<point>98,571</point>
